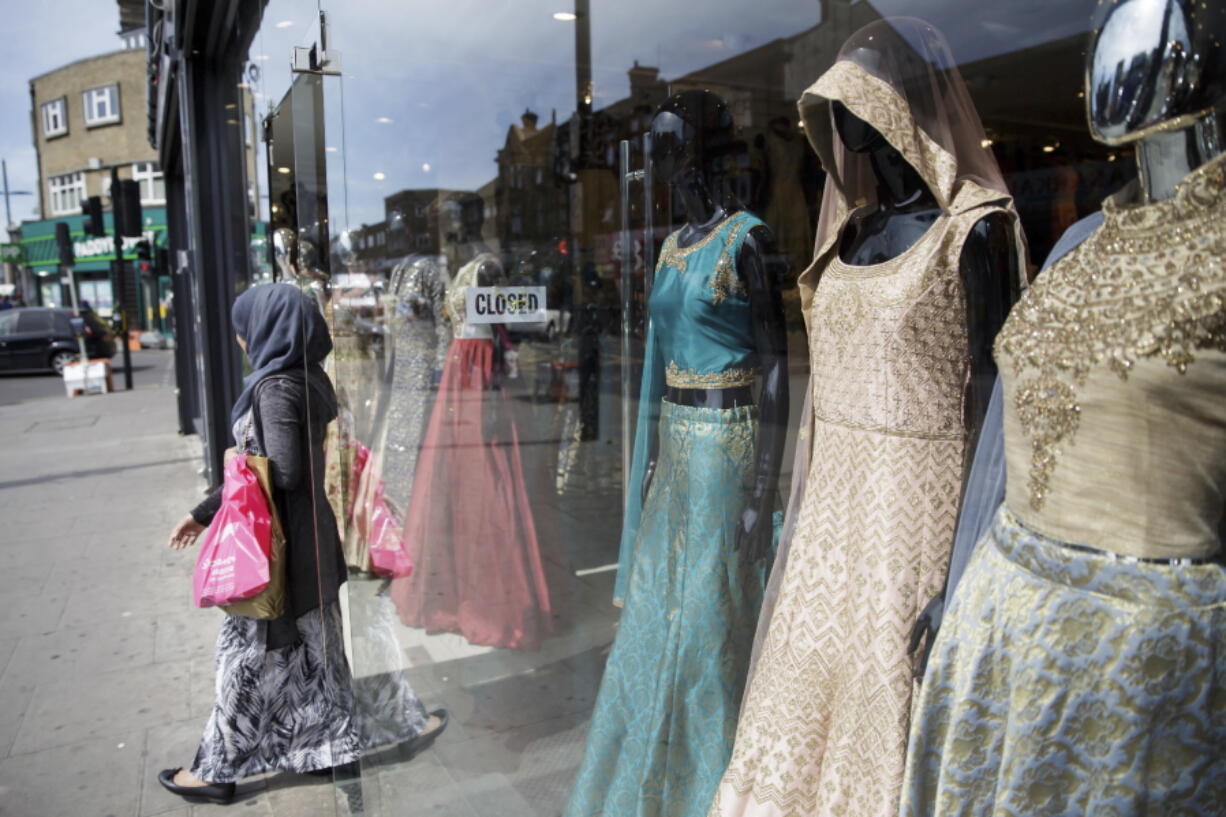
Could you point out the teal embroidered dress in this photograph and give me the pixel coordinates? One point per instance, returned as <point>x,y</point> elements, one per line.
<point>665,718</point>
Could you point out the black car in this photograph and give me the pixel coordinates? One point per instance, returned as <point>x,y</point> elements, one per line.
<point>42,338</point>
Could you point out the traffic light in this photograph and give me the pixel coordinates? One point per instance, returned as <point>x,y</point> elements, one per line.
<point>63,242</point>
<point>126,205</point>
<point>144,254</point>
<point>91,208</point>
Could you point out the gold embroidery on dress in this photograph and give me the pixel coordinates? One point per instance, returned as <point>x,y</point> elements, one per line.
<point>676,257</point>
<point>680,378</point>
<point>1150,283</point>
<point>725,282</point>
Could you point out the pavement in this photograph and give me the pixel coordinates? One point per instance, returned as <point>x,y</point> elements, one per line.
<point>106,667</point>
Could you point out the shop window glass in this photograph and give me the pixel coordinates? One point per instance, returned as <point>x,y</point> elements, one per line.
<point>516,164</point>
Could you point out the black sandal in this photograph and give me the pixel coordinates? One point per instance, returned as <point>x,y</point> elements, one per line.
<point>424,741</point>
<point>219,793</point>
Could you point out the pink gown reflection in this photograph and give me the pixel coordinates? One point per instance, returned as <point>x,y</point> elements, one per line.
<point>468,525</point>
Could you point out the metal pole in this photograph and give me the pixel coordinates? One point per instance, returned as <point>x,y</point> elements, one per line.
<point>76,307</point>
<point>121,278</point>
<point>8,214</point>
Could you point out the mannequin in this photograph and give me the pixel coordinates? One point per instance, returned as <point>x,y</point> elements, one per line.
<point>678,153</point>
<point>699,525</point>
<point>988,265</point>
<point>1169,101</point>
<point>469,526</point>
<point>1106,556</point>
<point>904,211</point>
<point>918,254</point>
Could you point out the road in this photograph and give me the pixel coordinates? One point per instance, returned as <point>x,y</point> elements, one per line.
<point>150,367</point>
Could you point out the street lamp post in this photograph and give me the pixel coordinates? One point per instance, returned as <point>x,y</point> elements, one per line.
<point>9,274</point>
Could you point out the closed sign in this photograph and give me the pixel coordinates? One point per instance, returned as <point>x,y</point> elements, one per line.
<point>505,305</point>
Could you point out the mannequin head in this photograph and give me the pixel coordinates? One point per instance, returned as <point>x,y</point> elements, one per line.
<point>1154,65</point>
<point>691,137</point>
<point>857,135</point>
<point>1156,77</point>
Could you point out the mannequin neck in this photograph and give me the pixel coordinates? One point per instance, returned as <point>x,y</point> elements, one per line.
<point>702,208</point>
<point>1166,159</point>
<point>899,186</point>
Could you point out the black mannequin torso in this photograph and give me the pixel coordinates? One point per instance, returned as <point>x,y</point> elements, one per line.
<point>687,157</point>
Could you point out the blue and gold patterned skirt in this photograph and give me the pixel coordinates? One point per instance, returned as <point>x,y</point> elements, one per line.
<point>1070,681</point>
<point>665,718</point>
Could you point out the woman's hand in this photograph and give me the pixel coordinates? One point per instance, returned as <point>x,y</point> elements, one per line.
<point>185,533</point>
<point>755,535</point>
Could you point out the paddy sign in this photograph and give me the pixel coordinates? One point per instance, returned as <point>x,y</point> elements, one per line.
<point>505,304</point>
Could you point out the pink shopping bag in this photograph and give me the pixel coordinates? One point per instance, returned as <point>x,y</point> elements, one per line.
<point>234,558</point>
<point>375,521</point>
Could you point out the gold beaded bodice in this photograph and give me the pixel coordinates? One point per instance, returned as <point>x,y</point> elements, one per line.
<point>1114,367</point>
<point>889,342</point>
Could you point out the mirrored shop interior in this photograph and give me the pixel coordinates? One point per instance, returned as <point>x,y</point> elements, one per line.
<point>419,155</point>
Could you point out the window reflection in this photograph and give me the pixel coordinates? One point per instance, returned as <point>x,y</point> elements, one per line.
<point>479,145</point>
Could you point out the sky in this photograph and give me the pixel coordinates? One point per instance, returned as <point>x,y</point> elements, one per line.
<point>39,37</point>
<point>430,87</point>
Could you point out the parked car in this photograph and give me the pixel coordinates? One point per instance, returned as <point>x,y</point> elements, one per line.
<point>547,329</point>
<point>37,337</point>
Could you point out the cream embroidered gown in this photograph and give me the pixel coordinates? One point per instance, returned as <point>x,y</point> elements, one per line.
<point>823,730</point>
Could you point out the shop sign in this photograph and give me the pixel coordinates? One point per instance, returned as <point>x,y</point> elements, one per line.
<point>94,247</point>
<point>505,305</point>
<point>11,253</point>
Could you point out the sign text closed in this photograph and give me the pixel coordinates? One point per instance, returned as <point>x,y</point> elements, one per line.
<point>505,304</point>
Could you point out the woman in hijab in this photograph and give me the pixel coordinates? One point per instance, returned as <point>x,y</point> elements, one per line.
<point>283,697</point>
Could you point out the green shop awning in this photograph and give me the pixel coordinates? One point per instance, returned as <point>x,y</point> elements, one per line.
<point>92,254</point>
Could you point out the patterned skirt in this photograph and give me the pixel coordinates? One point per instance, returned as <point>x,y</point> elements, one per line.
<point>823,730</point>
<point>279,710</point>
<point>665,717</point>
<point>1071,681</point>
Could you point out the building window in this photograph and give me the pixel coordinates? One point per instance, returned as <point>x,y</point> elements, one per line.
<point>66,193</point>
<point>152,185</point>
<point>55,118</point>
<point>423,242</point>
<point>101,105</point>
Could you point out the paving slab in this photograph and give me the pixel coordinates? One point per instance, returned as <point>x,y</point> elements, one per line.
<point>66,711</point>
<point>90,778</point>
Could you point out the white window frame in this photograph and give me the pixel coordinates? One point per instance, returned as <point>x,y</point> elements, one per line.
<point>148,176</point>
<point>90,99</point>
<point>59,109</point>
<point>65,193</point>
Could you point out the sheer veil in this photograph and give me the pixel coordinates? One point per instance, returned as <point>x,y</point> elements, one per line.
<point>899,76</point>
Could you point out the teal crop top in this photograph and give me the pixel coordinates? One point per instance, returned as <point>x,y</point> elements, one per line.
<point>700,337</point>
<point>700,310</point>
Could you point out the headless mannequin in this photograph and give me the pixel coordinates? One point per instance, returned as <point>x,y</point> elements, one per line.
<point>904,211</point>
<point>682,154</point>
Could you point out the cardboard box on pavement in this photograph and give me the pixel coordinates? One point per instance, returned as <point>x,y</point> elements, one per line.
<point>95,380</point>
